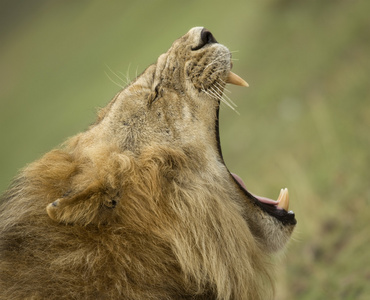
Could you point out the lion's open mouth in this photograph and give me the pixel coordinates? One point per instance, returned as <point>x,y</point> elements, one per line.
<point>281,203</point>
<point>277,208</point>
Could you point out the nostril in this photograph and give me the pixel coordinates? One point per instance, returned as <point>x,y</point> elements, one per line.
<point>206,37</point>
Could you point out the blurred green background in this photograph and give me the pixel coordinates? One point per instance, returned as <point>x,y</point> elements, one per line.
<point>304,122</point>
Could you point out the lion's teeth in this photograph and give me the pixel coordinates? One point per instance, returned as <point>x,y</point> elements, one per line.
<point>283,199</point>
<point>235,79</point>
<point>280,195</point>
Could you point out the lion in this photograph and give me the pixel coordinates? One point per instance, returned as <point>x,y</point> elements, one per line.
<point>141,205</point>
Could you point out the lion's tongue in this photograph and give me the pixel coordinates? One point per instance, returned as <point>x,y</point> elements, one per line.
<point>282,202</point>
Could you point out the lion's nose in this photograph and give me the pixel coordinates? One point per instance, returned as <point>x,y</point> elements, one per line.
<point>206,37</point>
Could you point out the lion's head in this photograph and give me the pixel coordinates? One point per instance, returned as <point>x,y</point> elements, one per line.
<point>148,183</point>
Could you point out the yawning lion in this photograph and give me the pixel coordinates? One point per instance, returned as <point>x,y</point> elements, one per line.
<point>141,205</point>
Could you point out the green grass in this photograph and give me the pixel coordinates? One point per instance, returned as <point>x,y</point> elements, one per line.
<point>304,122</point>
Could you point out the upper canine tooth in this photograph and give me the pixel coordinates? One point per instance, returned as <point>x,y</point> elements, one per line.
<point>232,78</point>
<point>283,199</point>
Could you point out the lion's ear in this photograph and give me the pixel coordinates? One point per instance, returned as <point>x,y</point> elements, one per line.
<point>64,210</point>
<point>91,206</point>
<point>80,207</point>
<point>52,210</point>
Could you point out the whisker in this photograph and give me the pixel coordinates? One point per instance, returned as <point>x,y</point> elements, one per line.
<point>216,59</point>
<point>127,79</point>
<point>110,78</point>
<point>222,86</point>
<point>128,72</point>
<point>223,100</point>
<point>217,90</point>
<point>228,98</point>
<point>234,59</point>
<point>223,81</point>
<point>115,74</point>
<point>213,92</point>
<point>212,96</point>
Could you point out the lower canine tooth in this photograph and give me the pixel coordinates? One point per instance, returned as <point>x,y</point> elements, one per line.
<point>283,199</point>
<point>280,195</point>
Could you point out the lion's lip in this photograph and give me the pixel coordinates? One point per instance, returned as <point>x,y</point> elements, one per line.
<point>277,208</point>
<point>259,198</point>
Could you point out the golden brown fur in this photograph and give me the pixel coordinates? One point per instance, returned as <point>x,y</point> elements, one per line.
<point>141,206</point>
